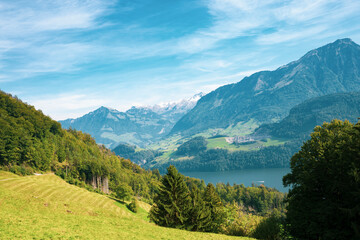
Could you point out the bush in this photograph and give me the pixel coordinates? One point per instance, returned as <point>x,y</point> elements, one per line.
<point>244,225</point>
<point>133,205</point>
<point>21,170</point>
<point>268,229</point>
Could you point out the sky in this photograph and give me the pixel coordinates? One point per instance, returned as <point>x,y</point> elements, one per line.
<point>69,57</point>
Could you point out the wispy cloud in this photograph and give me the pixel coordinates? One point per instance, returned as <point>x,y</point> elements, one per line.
<point>55,58</point>
<point>32,33</point>
<point>32,17</point>
<point>269,22</point>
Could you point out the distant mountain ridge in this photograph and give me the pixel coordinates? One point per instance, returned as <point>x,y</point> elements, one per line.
<point>138,125</point>
<point>314,112</point>
<point>175,110</point>
<point>268,96</point>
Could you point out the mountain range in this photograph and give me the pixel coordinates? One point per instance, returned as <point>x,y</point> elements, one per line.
<point>267,96</point>
<point>138,125</point>
<point>286,104</point>
<point>270,146</point>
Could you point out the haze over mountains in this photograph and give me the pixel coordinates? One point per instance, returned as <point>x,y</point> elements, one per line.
<point>138,125</point>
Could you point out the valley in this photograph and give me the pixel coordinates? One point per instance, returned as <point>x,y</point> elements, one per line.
<point>259,122</point>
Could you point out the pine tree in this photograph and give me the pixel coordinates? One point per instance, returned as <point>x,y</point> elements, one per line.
<point>216,208</point>
<point>171,205</point>
<point>199,214</point>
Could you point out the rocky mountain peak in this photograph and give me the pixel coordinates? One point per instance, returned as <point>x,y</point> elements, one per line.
<point>267,96</point>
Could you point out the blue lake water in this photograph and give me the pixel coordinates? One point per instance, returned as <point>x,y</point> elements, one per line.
<point>270,177</point>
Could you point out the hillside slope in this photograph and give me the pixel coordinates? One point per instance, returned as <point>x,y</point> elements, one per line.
<point>46,207</point>
<point>268,96</point>
<point>313,112</point>
<point>32,142</point>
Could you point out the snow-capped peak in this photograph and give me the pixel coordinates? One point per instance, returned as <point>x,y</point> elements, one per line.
<point>180,106</point>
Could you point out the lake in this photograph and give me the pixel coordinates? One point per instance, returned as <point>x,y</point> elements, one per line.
<point>270,177</point>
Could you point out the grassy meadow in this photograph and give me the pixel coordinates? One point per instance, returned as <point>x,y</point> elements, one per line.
<point>46,207</point>
<point>220,142</point>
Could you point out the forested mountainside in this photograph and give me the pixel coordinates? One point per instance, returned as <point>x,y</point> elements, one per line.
<point>139,157</point>
<point>138,125</point>
<point>219,159</point>
<point>268,96</point>
<point>305,116</point>
<point>31,142</point>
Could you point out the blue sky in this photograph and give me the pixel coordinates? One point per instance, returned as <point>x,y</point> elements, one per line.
<point>69,57</point>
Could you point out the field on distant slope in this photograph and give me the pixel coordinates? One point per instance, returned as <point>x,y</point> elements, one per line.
<point>256,145</point>
<point>46,207</point>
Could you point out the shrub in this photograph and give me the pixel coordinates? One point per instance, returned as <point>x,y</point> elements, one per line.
<point>133,205</point>
<point>268,229</point>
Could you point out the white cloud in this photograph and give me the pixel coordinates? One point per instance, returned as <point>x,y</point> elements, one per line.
<point>290,35</point>
<point>55,58</point>
<point>32,17</point>
<point>291,20</point>
<point>32,31</point>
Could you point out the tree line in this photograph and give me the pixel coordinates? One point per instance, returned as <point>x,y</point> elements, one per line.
<point>202,159</point>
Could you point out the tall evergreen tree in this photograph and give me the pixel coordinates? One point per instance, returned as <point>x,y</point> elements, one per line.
<point>199,217</point>
<point>171,205</point>
<point>216,208</point>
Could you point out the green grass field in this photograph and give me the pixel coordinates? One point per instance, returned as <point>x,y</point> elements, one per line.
<point>221,143</point>
<point>256,145</point>
<point>46,207</point>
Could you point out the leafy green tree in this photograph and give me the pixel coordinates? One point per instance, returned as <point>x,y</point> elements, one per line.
<point>123,191</point>
<point>324,201</point>
<point>171,205</point>
<point>133,205</point>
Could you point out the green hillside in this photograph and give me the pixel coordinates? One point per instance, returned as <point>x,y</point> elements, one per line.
<point>46,207</point>
<point>32,142</point>
<point>304,117</point>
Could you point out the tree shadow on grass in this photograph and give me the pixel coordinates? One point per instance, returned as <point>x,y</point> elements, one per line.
<point>118,200</point>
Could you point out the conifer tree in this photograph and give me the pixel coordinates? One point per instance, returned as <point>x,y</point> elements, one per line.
<point>199,214</point>
<point>171,205</point>
<point>216,208</point>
